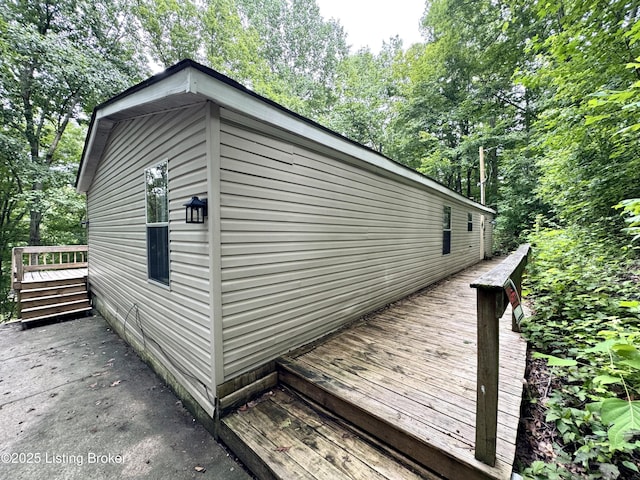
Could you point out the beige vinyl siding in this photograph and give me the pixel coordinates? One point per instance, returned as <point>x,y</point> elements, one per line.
<point>310,241</point>
<point>175,320</point>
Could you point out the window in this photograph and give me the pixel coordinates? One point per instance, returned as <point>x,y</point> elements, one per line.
<point>469,222</point>
<point>446,231</point>
<point>157,206</point>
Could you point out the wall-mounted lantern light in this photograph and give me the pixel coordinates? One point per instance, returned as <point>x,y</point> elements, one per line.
<point>195,210</point>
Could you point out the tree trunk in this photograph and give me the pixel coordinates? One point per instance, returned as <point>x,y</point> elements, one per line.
<point>35,214</point>
<point>492,163</point>
<point>34,227</point>
<point>493,184</point>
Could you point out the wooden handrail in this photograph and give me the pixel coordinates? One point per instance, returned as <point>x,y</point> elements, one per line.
<point>35,258</point>
<point>492,302</point>
<point>54,248</point>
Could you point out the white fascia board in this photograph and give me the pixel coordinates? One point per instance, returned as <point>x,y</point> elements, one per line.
<point>95,145</point>
<point>179,82</point>
<point>232,98</point>
<point>82,184</point>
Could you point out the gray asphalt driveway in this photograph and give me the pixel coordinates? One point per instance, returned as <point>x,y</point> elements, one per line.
<point>76,402</point>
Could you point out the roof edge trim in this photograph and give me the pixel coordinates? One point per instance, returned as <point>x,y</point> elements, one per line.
<point>191,77</point>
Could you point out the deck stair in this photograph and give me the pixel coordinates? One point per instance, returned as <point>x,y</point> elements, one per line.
<point>50,299</point>
<point>307,441</point>
<point>50,283</point>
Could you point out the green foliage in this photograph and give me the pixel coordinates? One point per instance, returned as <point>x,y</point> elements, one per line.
<point>168,28</point>
<point>554,361</point>
<point>12,229</point>
<point>457,95</point>
<point>518,206</point>
<point>57,61</point>
<point>631,208</point>
<point>586,301</point>
<point>366,93</point>
<point>302,52</point>
<point>282,49</point>
<point>229,46</point>
<point>623,416</point>
<point>539,470</point>
<point>585,165</point>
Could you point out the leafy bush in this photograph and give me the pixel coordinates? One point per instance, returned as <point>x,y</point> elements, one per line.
<point>587,311</point>
<point>632,211</point>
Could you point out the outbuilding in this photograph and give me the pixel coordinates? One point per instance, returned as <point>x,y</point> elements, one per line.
<point>303,230</point>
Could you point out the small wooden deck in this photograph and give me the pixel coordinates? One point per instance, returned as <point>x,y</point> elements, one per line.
<point>50,282</point>
<point>407,375</point>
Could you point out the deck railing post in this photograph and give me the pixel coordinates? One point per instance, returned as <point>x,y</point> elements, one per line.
<point>17,275</point>
<point>492,303</point>
<point>489,312</point>
<point>17,267</point>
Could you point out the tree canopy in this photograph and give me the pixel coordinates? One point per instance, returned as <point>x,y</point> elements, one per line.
<point>59,59</point>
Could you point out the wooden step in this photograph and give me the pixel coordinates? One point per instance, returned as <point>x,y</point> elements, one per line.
<point>62,282</point>
<point>343,401</point>
<point>48,291</point>
<point>280,436</point>
<point>53,299</point>
<point>31,322</point>
<point>48,311</point>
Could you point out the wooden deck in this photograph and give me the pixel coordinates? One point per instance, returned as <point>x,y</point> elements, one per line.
<point>407,375</point>
<point>50,282</point>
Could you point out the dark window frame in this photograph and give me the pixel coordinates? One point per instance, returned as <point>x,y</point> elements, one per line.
<point>469,222</point>
<point>156,180</point>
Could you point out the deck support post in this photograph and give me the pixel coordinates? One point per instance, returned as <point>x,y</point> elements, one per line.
<point>492,303</point>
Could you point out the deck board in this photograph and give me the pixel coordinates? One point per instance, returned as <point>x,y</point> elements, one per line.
<point>299,442</point>
<point>427,403</point>
<point>53,275</point>
<point>414,364</point>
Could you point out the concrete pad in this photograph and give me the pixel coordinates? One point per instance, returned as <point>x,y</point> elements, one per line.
<point>76,402</point>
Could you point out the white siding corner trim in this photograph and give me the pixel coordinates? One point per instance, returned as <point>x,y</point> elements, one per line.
<point>215,293</point>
